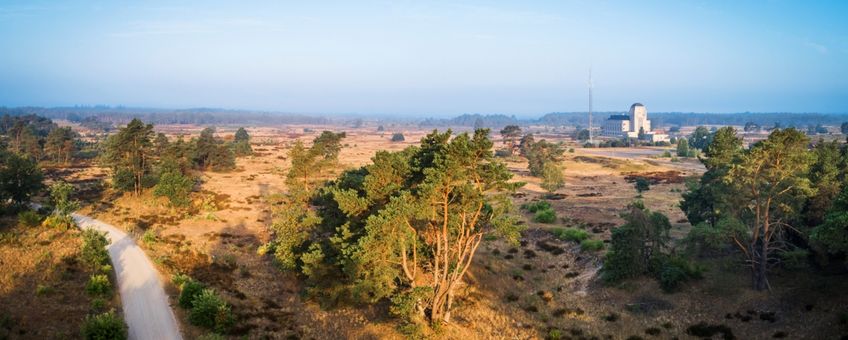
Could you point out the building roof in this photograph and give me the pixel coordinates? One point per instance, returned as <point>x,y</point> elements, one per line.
<point>637,104</point>
<point>619,117</point>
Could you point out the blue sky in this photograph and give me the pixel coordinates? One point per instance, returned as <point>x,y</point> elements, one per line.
<point>427,57</point>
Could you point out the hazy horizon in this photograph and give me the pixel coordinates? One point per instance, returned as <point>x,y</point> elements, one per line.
<point>436,59</point>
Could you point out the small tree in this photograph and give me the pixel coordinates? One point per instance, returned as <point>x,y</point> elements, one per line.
<point>60,145</point>
<point>510,134</point>
<point>20,178</point>
<point>542,152</point>
<point>241,144</point>
<point>552,177</point>
<point>63,206</point>
<point>398,137</point>
<point>682,148</point>
<point>700,138</point>
<point>583,135</point>
<point>129,153</point>
<point>642,184</point>
<point>176,187</point>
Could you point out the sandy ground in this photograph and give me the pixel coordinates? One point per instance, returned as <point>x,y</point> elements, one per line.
<point>145,304</point>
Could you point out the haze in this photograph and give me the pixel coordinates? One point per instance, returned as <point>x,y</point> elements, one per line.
<point>427,58</point>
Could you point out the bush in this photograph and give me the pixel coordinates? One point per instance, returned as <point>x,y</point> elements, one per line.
<point>592,245</point>
<point>29,218</point>
<point>536,206</point>
<point>570,234</point>
<point>398,137</point>
<point>190,290</point>
<point>149,237</point>
<point>59,222</point>
<point>545,216</point>
<point>211,311</point>
<point>671,271</point>
<point>98,285</point>
<point>404,304</point>
<point>106,326</point>
<point>94,248</point>
<point>98,304</point>
<point>176,187</point>
<point>795,258</point>
<point>179,278</point>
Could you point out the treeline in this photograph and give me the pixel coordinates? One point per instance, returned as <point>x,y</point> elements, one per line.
<point>199,116</point>
<point>39,139</point>
<point>472,120</point>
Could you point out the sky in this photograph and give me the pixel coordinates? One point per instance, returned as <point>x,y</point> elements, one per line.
<point>427,58</point>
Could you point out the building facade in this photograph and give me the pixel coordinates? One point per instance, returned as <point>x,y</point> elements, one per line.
<point>631,124</point>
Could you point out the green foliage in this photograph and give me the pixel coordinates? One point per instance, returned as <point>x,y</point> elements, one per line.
<point>510,134</point>
<point>672,271</point>
<point>149,237</point>
<point>701,138</point>
<point>570,234</point>
<point>128,153</point>
<point>20,178</point>
<point>93,251</point>
<point>642,184</point>
<point>179,279</point>
<point>552,177</point>
<point>60,145</point>
<point>408,304</point>
<point>545,216</point>
<point>541,152</point>
<point>242,135</point>
<point>211,311</point>
<point>29,218</point>
<point>795,258</point>
<point>832,235</point>
<point>189,290</point>
<point>633,245</point>
<point>536,206</point>
<point>398,137</point>
<point>373,231</point>
<point>60,196</point>
<point>683,148</point>
<point>591,245</point>
<point>98,285</point>
<point>176,187</point>
<point>106,326</point>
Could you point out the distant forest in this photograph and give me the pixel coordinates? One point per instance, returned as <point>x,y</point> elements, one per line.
<point>105,117</point>
<point>203,116</point>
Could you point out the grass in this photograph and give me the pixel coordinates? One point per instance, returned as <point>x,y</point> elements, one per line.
<point>591,245</point>
<point>570,234</point>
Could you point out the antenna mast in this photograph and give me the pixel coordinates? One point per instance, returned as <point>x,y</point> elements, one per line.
<point>590,107</point>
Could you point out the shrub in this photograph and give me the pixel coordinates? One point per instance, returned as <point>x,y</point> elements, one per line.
<point>29,218</point>
<point>94,248</point>
<point>149,237</point>
<point>536,206</point>
<point>570,234</point>
<point>592,245</point>
<point>42,290</point>
<point>398,137</point>
<point>671,271</point>
<point>59,222</point>
<point>190,290</point>
<point>105,326</point>
<point>795,258</point>
<point>176,187</point>
<point>404,305</point>
<point>98,304</point>
<point>180,278</point>
<point>211,311</point>
<point>98,285</point>
<point>545,216</point>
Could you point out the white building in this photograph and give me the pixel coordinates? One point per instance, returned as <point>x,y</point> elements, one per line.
<point>631,124</point>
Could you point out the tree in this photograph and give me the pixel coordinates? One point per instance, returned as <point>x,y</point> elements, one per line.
<point>700,138</point>
<point>844,128</point>
<point>552,177</point>
<point>526,144</point>
<point>772,178</point>
<point>398,137</point>
<point>63,206</point>
<point>832,235</point>
<point>409,223</point>
<point>583,135</point>
<point>20,178</point>
<point>633,245</point>
<point>328,145</point>
<point>129,153</point>
<point>542,152</point>
<point>241,144</point>
<point>683,148</point>
<point>60,145</point>
<point>204,147</point>
<point>176,187</point>
<point>642,184</point>
<point>510,134</point>
<point>711,197</point>
<point>824,178</point>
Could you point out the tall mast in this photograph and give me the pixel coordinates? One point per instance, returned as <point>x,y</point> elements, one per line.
<point>590,106</point>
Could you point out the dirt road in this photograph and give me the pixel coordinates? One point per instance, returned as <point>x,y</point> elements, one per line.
<point>145,304</point>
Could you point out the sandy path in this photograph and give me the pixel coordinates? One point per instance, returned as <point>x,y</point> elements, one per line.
<point>144,301</point>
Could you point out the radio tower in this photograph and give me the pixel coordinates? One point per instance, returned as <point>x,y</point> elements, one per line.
<point>590,107</point>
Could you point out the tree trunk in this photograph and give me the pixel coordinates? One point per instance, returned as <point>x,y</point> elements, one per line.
<point>760,262</point>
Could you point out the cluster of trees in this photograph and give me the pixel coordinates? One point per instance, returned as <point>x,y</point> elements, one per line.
<point>38,138</point>
<point>404,228</point>
<point>544,159</point>
<point>20,179</point>
<point>774,200</point>
<point>140,159</point>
